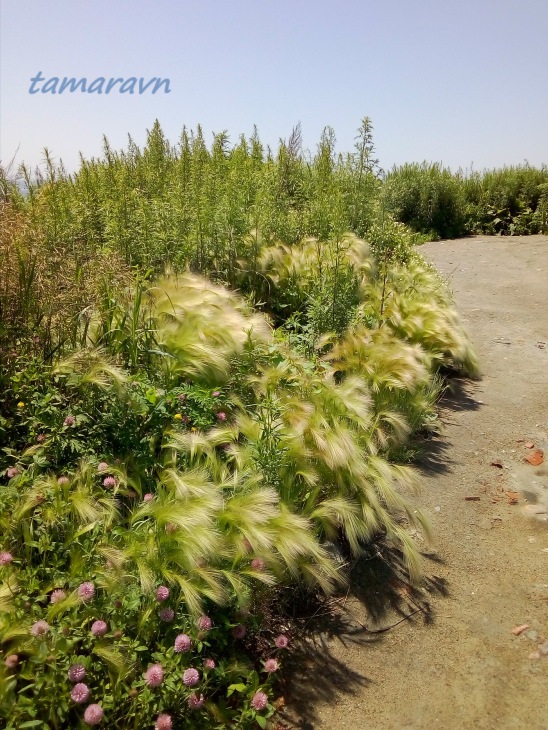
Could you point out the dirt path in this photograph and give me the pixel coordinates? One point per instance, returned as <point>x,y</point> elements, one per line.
<point>455,664</point>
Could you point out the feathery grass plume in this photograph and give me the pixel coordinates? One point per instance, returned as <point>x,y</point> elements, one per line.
<point>91,367</point>
<point>202,325</point>
<point>420,311</point>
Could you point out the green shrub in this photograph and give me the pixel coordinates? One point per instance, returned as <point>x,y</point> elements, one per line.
<point>427,197</point>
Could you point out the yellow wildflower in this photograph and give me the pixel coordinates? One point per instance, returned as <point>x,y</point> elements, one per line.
<point>177,416</point>
<point>20,404</point>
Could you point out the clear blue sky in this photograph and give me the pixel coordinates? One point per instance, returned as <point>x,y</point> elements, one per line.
<point>455,81</point>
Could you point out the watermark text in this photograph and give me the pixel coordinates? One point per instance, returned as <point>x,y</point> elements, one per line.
<point>100,85</point>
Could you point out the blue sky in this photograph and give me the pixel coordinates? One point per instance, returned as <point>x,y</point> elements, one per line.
<point>458,82</point>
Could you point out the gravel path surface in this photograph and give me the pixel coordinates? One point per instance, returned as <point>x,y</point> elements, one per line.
<point>455,664</point>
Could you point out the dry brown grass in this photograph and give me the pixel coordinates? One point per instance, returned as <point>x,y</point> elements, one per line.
<point>47,291</point>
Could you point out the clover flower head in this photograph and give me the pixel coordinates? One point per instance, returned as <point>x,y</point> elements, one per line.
<point>281,641</point>
<point>154,675</point>
<point>93,714</point>
<point>171,527</point>
<point>5,558</point>
<point>162,593</point>
<point>209,664</point>
<point>183,643</point>
<point>195,702</point>
<point>13,471</point>
<point>191,677</point>
<point>259,701</point>
<point>148,497</point>
<point>99,628</point>
<point>76,673</point>
<point>69,421</point>
<point>271,665</point>
<point>86,591</point>
<point>103,466</point>
<point>163,722</point>
<point>63,481</point>
<point>109,482</point>
<point>239,631</point>
<point>57,595</point>
<point>257,564</point>
<point>41,438</point>
<point>216,393</point>
<point>204,623</point>
<point>221,416</point>
<point>11,661</point>
<point>80,693</point>
<point>181,397</point>
<point>167,615</point>
<point>40,628</point>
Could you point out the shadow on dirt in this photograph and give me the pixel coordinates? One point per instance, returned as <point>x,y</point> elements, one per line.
<point>378,593</point>
<point>433,451</point>
<point>459,395</point>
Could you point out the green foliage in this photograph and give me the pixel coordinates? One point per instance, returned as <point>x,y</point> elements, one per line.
<point>159,429</point>
<point>441,204</point>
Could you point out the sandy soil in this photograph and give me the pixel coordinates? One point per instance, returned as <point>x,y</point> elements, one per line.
<point>455,664</point>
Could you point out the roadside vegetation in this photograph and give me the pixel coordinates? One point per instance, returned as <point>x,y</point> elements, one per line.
<point>215,365</point>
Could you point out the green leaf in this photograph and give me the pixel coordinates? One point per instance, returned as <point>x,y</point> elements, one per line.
<point>261,720</point>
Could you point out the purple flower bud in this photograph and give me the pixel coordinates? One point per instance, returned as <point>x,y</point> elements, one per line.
<point>86,591</point>
<point>162,593</point>
<point>103,466</point>
<point>40,628</point>
<point>57,596</point>
<point>163,722</point>
<point>281,641</point>
<point>259,701</point>
<point>80,693</point>
<point>216,393</point>
<point>209,664</point>
<point>148,497</point>
<point>13,471</point>
<point>257,564</point>
<point>191,677</point>
<point>99,628</point>
<point>11,661</point>
<point>69,421</point>
<point>5,558</point>
<point>154,675</point>
<point>76,673</point>
<point>93,714</point>
<point>271,665</point>
<point>109,482</point>
<point>183,643</point>
<point>221,416</point>
<point>63,480</point>
<point>204,623</point>
<point>167,615</point>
